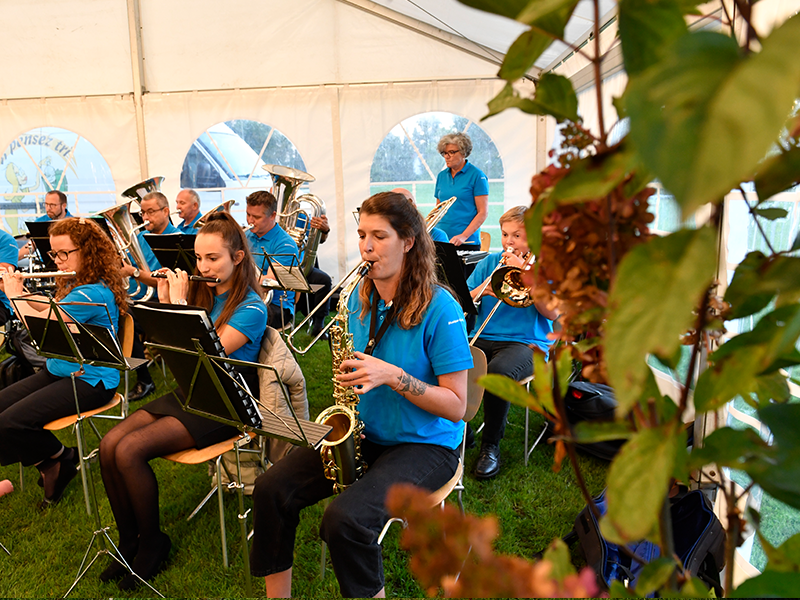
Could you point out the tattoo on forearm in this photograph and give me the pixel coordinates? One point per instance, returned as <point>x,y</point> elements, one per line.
<point>407,383</point>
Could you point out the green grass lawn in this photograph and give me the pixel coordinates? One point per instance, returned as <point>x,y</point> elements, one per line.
<point>534,505</point>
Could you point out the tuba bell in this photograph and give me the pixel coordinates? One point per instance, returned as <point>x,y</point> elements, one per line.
<point>141,189</point>
<point>224,207</point>
<point>286,181</point>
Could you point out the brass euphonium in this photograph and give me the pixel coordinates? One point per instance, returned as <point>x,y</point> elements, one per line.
<point>223,207</point>
<point>341,448</point>
<point>286,181</point>
<point>140,190</point>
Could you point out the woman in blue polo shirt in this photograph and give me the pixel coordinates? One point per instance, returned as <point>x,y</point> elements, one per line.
<point>465,181</point>
<point>31,403</point>
<point>509,337</point>
<point>412,390</point>
<point>162,427</point>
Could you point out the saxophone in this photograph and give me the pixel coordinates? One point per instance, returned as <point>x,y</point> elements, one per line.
<point>341,448</point>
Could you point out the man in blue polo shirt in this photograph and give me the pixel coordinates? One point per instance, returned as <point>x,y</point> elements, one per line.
<point>267,238</point>
<point>468,184</point>
<point>188,204</point>
<point>55,209</point>
<point>155,210</point>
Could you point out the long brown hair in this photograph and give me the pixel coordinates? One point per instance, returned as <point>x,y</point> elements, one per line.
<point>418,277</point>
<point>99,259</point>
<point>244,275</point>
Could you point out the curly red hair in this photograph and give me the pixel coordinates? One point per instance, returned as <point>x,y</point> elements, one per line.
<point>100,263</point>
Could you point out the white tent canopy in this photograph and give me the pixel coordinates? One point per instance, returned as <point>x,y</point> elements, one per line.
<point>142,80</point>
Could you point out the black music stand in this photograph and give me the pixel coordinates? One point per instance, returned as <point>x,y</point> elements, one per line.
<point>173,250</point>
<point>451,272</point>
<point>83,344</point>
<point>289,278</point>
<point>213,389</point>
<point>41,242</point>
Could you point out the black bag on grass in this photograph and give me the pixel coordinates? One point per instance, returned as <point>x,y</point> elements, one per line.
<point>698,538</point>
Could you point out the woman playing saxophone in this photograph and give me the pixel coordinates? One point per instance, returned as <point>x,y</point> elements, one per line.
<point>412,389</point>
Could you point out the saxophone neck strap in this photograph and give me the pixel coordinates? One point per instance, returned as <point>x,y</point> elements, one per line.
<point>373,322</point>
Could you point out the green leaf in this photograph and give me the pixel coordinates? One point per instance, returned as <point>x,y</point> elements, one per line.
<point>786,558</point>
<point>618,590</point>
<point>534,217</point>
<point>554,96</point>
<point>557,554</point>
<point>769,584</point>
<point>796,243</point>
<point>771,214</point>
<point>728,447</point>
<point>658,286</point>
<point>509,390</point>
<point>543,381</point>
<point>744,294</point>
<point>705,115</point>
<point>528,47</point>
<point>780,476</point>
<point>724,380</point>
<point>778,173</point>
<point>694,588</point>
<point>595,176</point>
<point>637,484</point>
<point>646,28</point>
<point>587,432</point>
<point>772,388</point>
<point>654,575</point>
<point>564,370</point>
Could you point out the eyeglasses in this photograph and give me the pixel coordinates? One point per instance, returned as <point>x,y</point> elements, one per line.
<point>61,255</point>
<point>56,205</point>
<point>152,211</point>
<point>449,153</point>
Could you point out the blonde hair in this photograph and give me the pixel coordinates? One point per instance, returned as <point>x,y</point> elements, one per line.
<point>514,215</point>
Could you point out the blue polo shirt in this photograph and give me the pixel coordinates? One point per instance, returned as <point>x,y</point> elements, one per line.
<point>437,235</point>
<point>437,346</point>
<point>249,319</point>
<point>44,217</point>
<point>275,242</point>
<point>9,253</point>
<point>97,293</point>
<point>188,228</point>
<point>509,324</point>
<point>468,183</point>
<point>150,258</point>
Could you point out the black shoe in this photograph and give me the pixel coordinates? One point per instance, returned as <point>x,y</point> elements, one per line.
<point>316,330</point>
<point>70,452</point>
<point>146,566</point>
<point>140,390</point>
<point>66,473</point>
<point>115,570</point>
<point>488,464</point>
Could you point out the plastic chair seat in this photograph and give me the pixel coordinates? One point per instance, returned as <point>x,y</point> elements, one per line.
<point>70,420</point>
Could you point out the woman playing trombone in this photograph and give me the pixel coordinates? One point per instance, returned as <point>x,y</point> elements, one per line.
<point>412,391</point>
<point>31,403</point>
<point>162,427</point>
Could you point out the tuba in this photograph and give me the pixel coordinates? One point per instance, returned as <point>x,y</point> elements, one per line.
<point>341,448</point>
<point>286,181</point>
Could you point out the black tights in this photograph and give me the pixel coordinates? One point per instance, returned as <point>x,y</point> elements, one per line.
<point>130,483</point>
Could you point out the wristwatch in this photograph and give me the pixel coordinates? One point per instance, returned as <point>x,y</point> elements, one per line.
<point>136,273</point>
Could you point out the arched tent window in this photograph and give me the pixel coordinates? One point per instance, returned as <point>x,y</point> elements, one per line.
<point>51,158</point>
<point>407,157</point>
<point>225,161</point>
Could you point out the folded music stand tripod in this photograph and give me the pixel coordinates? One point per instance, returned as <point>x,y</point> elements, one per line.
<point>213,389</point>
<point>84,344</point>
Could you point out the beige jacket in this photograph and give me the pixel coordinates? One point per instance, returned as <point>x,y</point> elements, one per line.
<point>275,353</point>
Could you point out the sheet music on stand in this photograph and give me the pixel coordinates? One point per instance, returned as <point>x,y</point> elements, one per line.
<point>289,277</point>
<point>173,250</point>
<point>211,387</point>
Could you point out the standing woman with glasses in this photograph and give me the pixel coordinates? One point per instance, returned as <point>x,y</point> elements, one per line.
<point>465,181</point>
<point>29,404</point>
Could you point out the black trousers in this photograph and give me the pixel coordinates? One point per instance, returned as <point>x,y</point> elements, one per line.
<point>513,359</point>
<point>277,317</point>
<point>28,405</point>
<point>308,302</point>
<point>352,521</point>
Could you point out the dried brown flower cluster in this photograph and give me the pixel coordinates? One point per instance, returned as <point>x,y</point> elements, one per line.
<point>717,312</point>
<point>581,245</point>
<point>454,552</point>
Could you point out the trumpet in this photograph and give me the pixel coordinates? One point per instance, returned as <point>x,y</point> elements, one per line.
<point>360,270</point>
<point>199,278</point>
<point>506,282</point>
